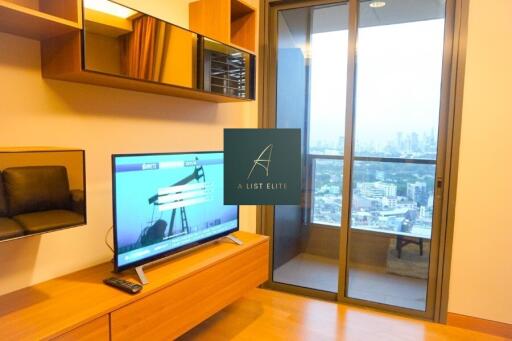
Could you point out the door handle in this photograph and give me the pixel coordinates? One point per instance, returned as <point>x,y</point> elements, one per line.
<point>439,185</point>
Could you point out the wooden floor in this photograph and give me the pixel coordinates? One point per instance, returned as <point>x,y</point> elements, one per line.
<point>271,315</point>
<point>375,284</point>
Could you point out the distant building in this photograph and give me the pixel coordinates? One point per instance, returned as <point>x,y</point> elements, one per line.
<point>361,218</point>
<point>399,212</point>
<point>417,191</point>
<point>377,189</point>
<point>430,202</point>
<point>341,142</point>
<point>361,203</point>
<point>423,212</point>
<point>389,202</point>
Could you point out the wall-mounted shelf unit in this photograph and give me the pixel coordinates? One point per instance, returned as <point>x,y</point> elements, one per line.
<point>232,22</point>
<point>40,19</point>
<point>142,53</point>
<point>136,52</point>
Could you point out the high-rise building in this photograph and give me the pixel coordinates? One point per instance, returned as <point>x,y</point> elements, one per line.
<point>377,189</point>
<point>416,190</point>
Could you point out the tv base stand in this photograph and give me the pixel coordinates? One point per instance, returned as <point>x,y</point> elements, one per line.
<point>139,270</point>
<point>234,239</point>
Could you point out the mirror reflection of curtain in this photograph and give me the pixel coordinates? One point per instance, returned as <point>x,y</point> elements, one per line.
<point>143,49</point>
<point>179,57</point>
<point>161,46</point>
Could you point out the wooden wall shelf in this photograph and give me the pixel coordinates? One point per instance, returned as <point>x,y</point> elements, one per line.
<point>58,25</point>
<point>50,19</point>
<point>62,59</point>
<point>232,22</point>
<point>243,25</point>
<point>182,293</point>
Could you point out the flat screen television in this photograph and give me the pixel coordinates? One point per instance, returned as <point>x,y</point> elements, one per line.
<point>167,203</point>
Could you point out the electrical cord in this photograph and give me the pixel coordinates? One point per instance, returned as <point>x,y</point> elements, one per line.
<point>106,237</point>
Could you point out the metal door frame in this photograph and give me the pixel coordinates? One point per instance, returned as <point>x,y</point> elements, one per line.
<point>447,156</point>
<point>267,97</point>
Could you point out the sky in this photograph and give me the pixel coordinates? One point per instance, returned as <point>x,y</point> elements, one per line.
<point>398,82</point>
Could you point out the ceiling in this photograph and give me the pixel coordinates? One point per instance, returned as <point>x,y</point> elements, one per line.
<point>328,18</point>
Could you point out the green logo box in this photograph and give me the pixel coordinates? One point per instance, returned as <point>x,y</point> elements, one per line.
<point>262,167</point>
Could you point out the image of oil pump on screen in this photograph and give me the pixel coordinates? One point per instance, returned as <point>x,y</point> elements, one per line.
<point>171,198</point>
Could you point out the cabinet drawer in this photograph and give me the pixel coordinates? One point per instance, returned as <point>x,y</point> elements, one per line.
<point>96,330</point>
<point>172,311</point>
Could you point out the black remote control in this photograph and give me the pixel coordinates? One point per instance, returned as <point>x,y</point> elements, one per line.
<point>122,284</point>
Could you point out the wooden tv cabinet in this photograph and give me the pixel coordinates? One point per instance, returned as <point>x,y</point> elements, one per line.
<point>182,292</point>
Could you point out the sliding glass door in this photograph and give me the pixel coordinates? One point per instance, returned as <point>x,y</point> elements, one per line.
<point>364,80</point>
<point>397,100</point>
<point>312,45</point>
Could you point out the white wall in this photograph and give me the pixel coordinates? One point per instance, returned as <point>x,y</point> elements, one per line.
<point>40,112</point>
<point>481,275</point>
<point>35,111</point>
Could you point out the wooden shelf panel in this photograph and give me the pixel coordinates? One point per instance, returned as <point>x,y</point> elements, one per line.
<point>61,60</point>
<point>18,149</point>
<point>243,25</point>
<point>242,32</point>
<point>211,19</point>
<point>111,81</point>
<point>30,23</point>
<point>232,22</point>
<point>240,8</point>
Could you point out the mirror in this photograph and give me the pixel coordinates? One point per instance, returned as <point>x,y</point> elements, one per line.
<point>40,191</point>
<point>139,46</point>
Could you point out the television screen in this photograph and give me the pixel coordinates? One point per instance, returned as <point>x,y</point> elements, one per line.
<point>165,203</point>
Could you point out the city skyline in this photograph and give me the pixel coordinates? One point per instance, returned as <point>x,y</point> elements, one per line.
<point>386,196</point>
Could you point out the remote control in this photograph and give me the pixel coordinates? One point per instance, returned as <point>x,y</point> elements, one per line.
<point>124,285</point>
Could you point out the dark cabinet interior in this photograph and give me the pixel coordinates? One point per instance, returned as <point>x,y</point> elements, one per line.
<point>227,70</point>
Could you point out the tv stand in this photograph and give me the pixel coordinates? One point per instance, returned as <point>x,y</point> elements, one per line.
<point>234,239</point>
<point>139,270</point>
<point>182,293</point>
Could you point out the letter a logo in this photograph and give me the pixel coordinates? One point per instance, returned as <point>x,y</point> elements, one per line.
<point>262,160</point>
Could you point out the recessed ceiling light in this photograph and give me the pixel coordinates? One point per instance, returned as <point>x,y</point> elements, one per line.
<point>109,7</point>
<point>377,4</point>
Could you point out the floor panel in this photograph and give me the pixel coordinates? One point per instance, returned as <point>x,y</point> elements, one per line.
<point>368,283</point>
<point>271,315</point>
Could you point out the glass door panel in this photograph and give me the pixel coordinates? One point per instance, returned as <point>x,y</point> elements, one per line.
<point>311,70</point>
<point>394,56</point>
<point>326,197</point>
<point>397,100</point>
